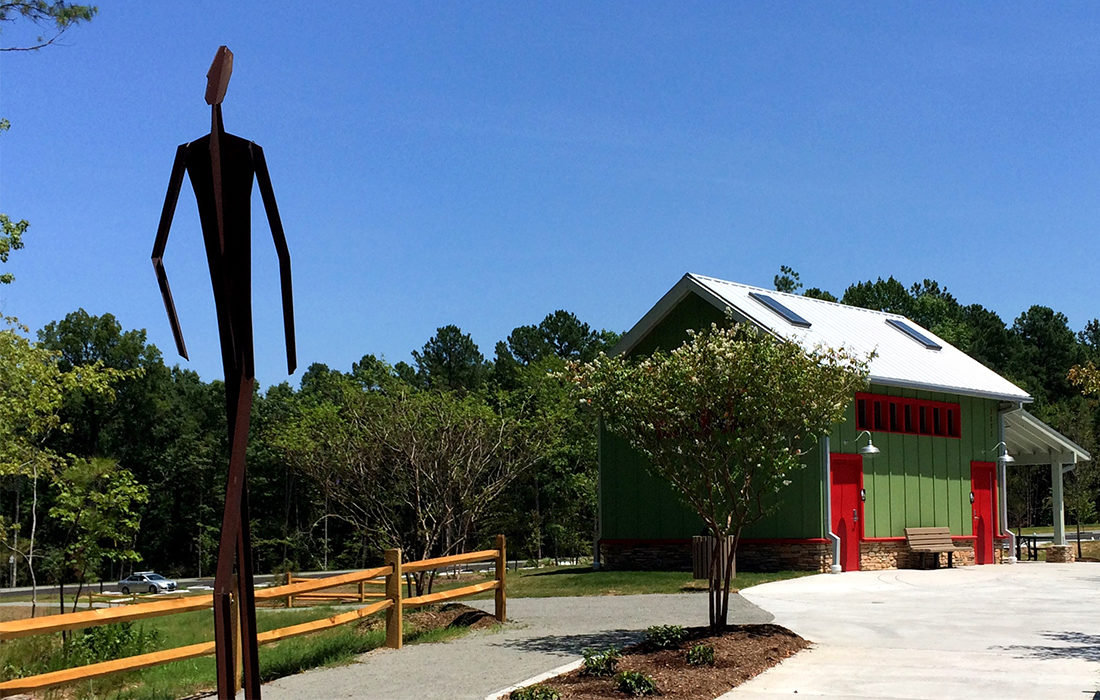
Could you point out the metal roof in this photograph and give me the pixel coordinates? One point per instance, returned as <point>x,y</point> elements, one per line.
<point>1031,441</point>
<point>901,360</point>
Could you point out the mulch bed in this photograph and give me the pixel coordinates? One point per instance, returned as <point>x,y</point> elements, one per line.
<point>439,616</point>
<point>740,653</point>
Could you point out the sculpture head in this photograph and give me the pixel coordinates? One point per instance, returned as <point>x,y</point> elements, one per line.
<point>217,78</point>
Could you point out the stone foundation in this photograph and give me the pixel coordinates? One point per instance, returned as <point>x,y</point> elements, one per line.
<point>1061,554</point>
<point>784,556</point>
<point>752,555</point>
<point>646,555</point>
<point>874,556</point>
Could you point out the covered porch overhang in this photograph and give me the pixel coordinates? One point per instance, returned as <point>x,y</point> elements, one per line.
<point>1031,442</point>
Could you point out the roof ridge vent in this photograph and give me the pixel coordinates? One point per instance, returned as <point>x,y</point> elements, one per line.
<point>776,307</point>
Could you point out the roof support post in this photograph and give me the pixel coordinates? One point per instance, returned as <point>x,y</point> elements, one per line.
<point>1057,502</point>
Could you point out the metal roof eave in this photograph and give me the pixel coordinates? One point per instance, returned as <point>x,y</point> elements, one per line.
<point>945,389</point>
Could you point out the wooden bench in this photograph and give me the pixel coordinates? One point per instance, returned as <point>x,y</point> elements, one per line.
<point>934,541</point>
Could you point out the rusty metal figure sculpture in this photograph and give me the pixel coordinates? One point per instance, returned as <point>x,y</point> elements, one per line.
<point>221,169</point>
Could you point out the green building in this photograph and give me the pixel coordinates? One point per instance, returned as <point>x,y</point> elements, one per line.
<point>927,444</point>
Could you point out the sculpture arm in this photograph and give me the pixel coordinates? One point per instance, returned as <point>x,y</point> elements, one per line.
<point>263,179</point>
<point>170,199</point>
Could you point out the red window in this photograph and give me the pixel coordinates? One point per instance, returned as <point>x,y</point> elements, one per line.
<point>891,414</point>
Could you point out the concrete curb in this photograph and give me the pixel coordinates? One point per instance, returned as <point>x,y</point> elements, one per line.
<point>564,668</point>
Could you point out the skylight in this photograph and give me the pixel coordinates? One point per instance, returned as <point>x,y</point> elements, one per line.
<point>777,308</point>
<point>914,334</point>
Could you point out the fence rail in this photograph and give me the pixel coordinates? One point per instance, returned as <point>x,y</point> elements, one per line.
<point>392,604</point>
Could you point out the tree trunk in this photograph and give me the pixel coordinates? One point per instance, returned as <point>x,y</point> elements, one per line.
<point>1079,555</point>
<point>720,575</point>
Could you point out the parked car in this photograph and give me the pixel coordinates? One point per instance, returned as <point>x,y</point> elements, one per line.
<point>142,581</point>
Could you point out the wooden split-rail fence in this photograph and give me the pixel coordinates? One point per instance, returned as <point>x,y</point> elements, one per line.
<point>389,600</point>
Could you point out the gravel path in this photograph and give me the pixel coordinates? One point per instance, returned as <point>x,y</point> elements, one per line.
<point>543,633</point>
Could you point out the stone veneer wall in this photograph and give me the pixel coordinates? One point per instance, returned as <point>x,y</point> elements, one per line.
<point>1061,553</point>
<point>675,555</point>
<point>784,556</point>
<point>895,554</point>
<point>670,555</point>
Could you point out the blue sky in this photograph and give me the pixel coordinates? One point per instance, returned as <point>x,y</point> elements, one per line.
<point>486,163</point>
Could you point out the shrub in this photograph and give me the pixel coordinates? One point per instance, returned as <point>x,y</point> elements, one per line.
<point>636,683</point>
<point>665,636</point>
<point>535,692</point>
<point>600,663</point>
<point>107,642</point>
<point>701,655</point>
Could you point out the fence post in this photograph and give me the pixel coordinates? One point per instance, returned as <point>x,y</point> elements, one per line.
<point>393,593</point>
<point>362,592</point>
<point>502,568</point>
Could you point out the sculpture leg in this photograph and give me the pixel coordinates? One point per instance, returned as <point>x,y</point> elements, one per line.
<point>247,608</point>
<point>239,402</point>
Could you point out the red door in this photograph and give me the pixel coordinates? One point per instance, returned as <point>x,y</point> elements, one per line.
<point>847,505</point>
<point>983,486</point>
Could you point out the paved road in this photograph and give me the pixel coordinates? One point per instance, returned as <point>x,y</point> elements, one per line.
<point>1028,631</point>
<point>543,633</point>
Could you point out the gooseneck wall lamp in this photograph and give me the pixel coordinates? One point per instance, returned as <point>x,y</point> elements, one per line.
<point>1002,455</point>
<point>868,450</point>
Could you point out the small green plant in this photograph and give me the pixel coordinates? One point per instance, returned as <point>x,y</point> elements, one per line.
<point>600,663</point>
<point>635,683</point>
<point>665,636</point>
<point>701,655</point>
<point>108,642</point>
<point>535,692</point>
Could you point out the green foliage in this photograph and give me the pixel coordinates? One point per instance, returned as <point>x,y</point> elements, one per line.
<point>451,361</point>
<point>635,683</point>
<point>701,655</point>
<point>665,636</point>
<point>56,16</point>
<point>11,238</point>
<point>600,663</point>
<point>34,388</point>
<point>787,280</point>
<point>107,642</point>
<point>535,692</point>
<point>97,504</point>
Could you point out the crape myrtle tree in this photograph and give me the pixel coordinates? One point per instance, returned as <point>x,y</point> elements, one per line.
<point>723,418</point>
<point>408,467</point>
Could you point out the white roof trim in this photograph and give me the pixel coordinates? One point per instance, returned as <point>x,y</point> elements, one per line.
<point>901,362</point>
<point>1031,441</point>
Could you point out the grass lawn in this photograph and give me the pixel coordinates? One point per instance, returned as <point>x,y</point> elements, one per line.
<point>1049,530</point>
<point>549,582</point>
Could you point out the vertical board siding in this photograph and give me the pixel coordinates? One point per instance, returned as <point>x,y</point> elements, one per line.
<point>921,480</point>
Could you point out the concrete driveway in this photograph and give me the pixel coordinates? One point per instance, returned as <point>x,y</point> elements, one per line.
<point>1024,631</point>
